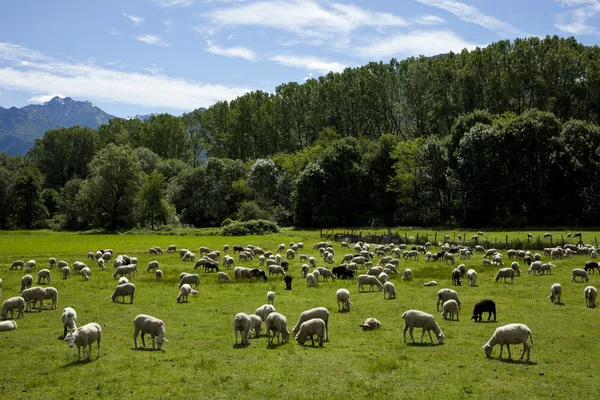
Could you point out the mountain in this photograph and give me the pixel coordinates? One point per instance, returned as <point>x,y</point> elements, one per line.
<point>20,126</point>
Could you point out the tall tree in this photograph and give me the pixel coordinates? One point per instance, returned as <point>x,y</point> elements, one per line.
<point>154,208</point>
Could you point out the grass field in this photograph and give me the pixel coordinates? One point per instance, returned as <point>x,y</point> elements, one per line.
<point>200,360</point>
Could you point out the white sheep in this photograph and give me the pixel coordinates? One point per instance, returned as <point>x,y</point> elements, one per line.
<point>311,280</point>
<point>430,283</point>
<point>7,326</point>
<point>11,304</point>
<point>407,275</point>
<point>314,326</point>
<point>270,297</point>
<point>450,307</point>
<point>69,319</point>
<point>30,265</point>
<point>159,275</point>
<point>184,291</point>
<point>222,276</point>
<point>390,290</point>
<point>51,294</point>
<point>190,279</point>
<point>256,324</point>
<point>370,324</point>
<point>318,312</point>
<point>264,311</point>
<point>85,336</point>
<point>26,282</point>
<point>383,277</point>
<point>276,323</point>
<point>343,299</point>
<point>368,280</point>
<point>152,266</point>
<point>505,273</point>
<point>447,294</point>
<point>590,293</point>
<point>33,294</point>
<point>172,248</point>
<point>127,289</point>
<point>43,275</point>
<point>419,319</point>
<point>152,326</point>
<point>51,262</point>
<point>555,293</point>
<point>242,323</point>
<point>507,335</point>
<point>66,272</point>
<point>472,277</point>
<point>515,267</point>
<point>85,273</point>
<point>581,273</point>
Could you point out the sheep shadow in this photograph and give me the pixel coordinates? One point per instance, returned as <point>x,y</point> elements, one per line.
<point>417,344</point>
<point>75,363</point>
<point>452,320</point>
<point>240,345</point>
<point>343,311</point>
<point>559,304</point>
<point>486,322</point>
<point>517,361</point>
<point>145,349</point>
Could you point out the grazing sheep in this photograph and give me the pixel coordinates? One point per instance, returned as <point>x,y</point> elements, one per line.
<point>7,326</point>
<point>30,265</point>
<point>152,266</point>
<point>456,277</point>
<point>555,293</point>
<point>11,304</point>
<point>256,324</point>
<point>368,280</point>
<point>242,323</point>
<point>127,289</point>
<point>33,295</point>
<point>85,336</point>
<point>486,262</point>
<point>26,282</point>
<point>223,276</point>
<point>288,281</point>
<point>390,290</point>
<point>515,267</point>
<point>151,326</point>
<point>505,273</point>
<point>184,291</point>
<point>447,294</point>
<point>318,312</point>
<point>264,311</point>
<point>311,280</point>
<point>101,265</point>
<point>579,272</point>
<point>370,324</point>
<point>51,262</point>
<point>66,272</point>
<point>276,323</point>
<point>419,319</point>
<point>191,279</point>
<point>314,326</point>
<point>383,277</point>
<point>159,275</point>
<point>85,273</point>
<point>450,307</point>
<point>69,319</point>
<point>430,283</point>
<point>472,277</point>
<point>171,249</point>
<point>487,306</point>
<point>590,293</point>
<point>343,299</point>
<point>19,263</point>
<point>270,297</point>
<point>122,281</point>
<point>51,294</point>
<point>507,335</point>
<point>591,265</point>
<point>407,275</point>
<point>123,270</point>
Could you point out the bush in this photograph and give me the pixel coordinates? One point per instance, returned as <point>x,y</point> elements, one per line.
<point>252,227</point>
<point>227,221</point>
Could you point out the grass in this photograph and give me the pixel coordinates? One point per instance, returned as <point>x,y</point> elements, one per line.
<point>200,359</point>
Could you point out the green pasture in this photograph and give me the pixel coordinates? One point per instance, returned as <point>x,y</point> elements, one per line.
<point>201,361</point>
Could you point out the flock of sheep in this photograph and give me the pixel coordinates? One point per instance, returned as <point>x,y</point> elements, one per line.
<point>312,323</point>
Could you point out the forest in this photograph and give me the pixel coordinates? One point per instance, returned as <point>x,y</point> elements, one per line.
<point>501,136</point>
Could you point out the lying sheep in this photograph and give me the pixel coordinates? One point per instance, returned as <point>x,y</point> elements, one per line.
<point>152,326</point>
<point>223,276</point>
<point>159,275</point>
<point>407,275</point>
<point>270,297</point>
<point>487,306</point>
<point>310,328</point>
<point>11,304</point>
<point>450,307</point>
<point>430,283</point>
<point>85,336</point>
<point>507,335</point>
<point>33,294</point>
<point>590,293</point>
<point>505,273</point>
<point>190,279</point>
<point>26,282</point>
<point>555,293</point>
<point>256,324</point>
<point>7,326</point>
<point>264,311</point>
<point>343,299</point>
<point>184,291</point>
<point>319,312</point>
<point>276,323</point>
<point>69,319</point>
<point>472,277</point>
<point>127,289</point>
<point>390,290</point>
<point>241,323</point>
<point>419,319</point>
<point>368,280</point>
<point>370,324</point>
<point>447,294</point>
<point>579,272</point>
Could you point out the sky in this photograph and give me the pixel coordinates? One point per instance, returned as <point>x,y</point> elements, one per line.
<point>133,57</point>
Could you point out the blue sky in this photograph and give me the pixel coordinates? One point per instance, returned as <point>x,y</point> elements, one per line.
<point>141,56</point>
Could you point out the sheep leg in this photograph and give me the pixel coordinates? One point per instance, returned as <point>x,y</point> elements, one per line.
<point>508,348</point>
<point>312,340</point>
<point>525,347</point>
<point>501,348</point>
<point>89,352</point>
<point>143,341</point>
<point>79,353</point>
<point>430,338</point>
<point>135,335</point>
<point>236,333</point>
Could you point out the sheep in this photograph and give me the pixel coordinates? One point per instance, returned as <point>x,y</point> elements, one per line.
<point>326,273</point>
<point>85,336</point>
<point>127,289</point>
<point>591,265</point>
<point>51,294</point>
<point>343,299</point>
<point>472,277</point>
<point>51,262</point>
<point>288,281</point>
<point>242,323</point>
<point>69,320</point>
<point>85,273</point>
<point>579,272</point>
<point>505,273</point>
<point>256,324</point>
<point>33,294</point>
<point>101,265</point>
<point>78,266</point>
<point>484,306</point>
<point>370,324</point>
<point>311,280</point>
<point>7,326</point>
<point>430,283</point>
<point>314,326</point>
<point>463,270</point>
<point>184,291</point>
<point>534,267</point>
<point>447,294</point>
<point>152,266</point>
<point>456,277</point>
<point>318,312</point>
<point>555,293</point>
<point>449,257</point>
<point>66,272</point>
<point>159,275</point>
<point>30,265</point>
<point>390,290</point>
<point>172,248</point>
<point>383,277</point>
<point>450,307</point>
<point>11,304</point>
<point>191,279</point>
<point>515,267</point>
<point>26,282</point>
<point>264,311</point>
<point>407,275</point>
<point>369,280</point>
<point>590,293</point>
<point>486,262</point>
<point>277,324</point>
<point>546,268</point>
<point>223,276</point>
<point>275,270</point>
<point>18,263</point>
<point>152,326</point>
<point>419,319</point>
<point>507,335</point>
<point>123,270</point>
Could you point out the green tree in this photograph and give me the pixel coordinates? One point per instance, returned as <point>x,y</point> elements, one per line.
<point>28,208</point>
<point>154,208</point>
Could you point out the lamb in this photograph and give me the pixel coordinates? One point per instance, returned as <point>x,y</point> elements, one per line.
<point>184,291</point>
<point>430,283</point>
<point>26,282</point>
<point>191,279</point>
<point>505,273</point>
<point>484,306</point>
<point>450,307</point>
<point>507,335</point>
<point>242,323</point>
<point>368,280</point>
<point>472,277</point>
<point>85,273</point>
<point>277,324</point>
<point>264,311</point>
<point>320,313</point>
<point>407,275</point>
<point>69,319</point>
<point>122,281</point>
<point>7,326</point>
<point>447,294</point>
<point>159,275</point>
<point>127,289</point>
<point>270,297</point>
<point>456,277</point>
<point>85,336</point>
<point>390,290</point>
<point>153,327</point>
<point>18,263</point>
<point>419,319</point>
<point>590,293</point>
<point>311,280</point>
<point>223,276</point>
<point>343,299</point>
<point>11,304</point>
<point>314,326</point>
<point>33,294</point>
<point>370,324</point>
<point>51,294</point>
<point>555,293</point>
<point>579,272</point>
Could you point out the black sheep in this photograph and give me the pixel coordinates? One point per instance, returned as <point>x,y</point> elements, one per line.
<point>288,281</point>
<point>456,274</point>
<point>339,271</point>
<point>484,306</point>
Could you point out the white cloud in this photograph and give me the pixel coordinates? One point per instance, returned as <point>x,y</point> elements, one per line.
<point>154,69</point>
<point>204,30</point>
<point>169,23</point>
<point>174,3</point>
<point>136,20</point>
<point>471,14</point>
<point>429,20</point>
<point>415,43</point>
<point>241,52</point>
<point>576,20</point>
<point>151,39</point>
<point>44,98</point>
<point>105,85</point>
<point>309,63</point>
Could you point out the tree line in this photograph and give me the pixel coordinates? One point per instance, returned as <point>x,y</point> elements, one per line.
<point>503,136</point>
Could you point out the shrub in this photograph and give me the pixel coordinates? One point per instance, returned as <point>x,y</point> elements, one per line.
<point>252,227</point>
